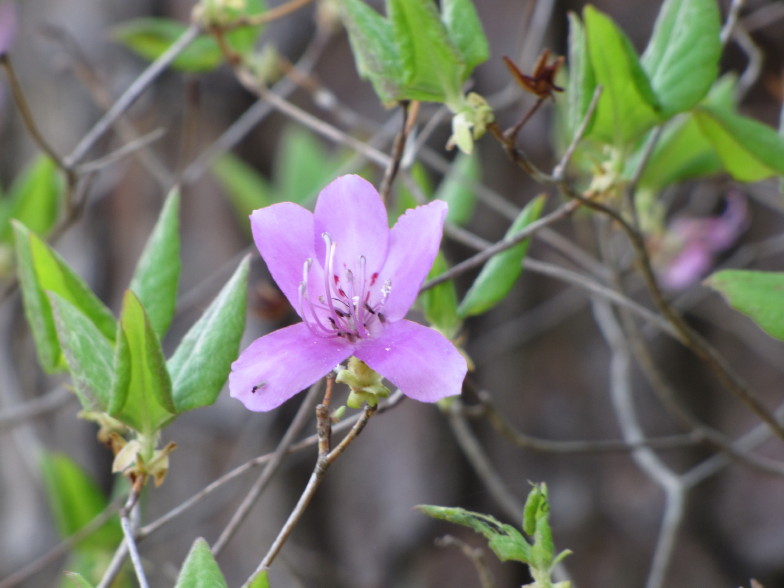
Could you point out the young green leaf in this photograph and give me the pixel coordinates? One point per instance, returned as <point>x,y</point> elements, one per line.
<point>201,363</point>
<point>683,152</point>
<point>41,269</point>
<point>75,500</point>
<point>628,107</point>
<point>682,57</point>
<point>151,37</point>
<point>261,580</point>
<point>439,304</point>
<point>88,354</point>
<point>158,270</point>
<point>502,270</point>
<point>465,31</point>
<point>756,294</point>
<point>200,570</point>
<point>142,389</point>
<point>33,200</point>
<point>246,188</point>
<point>582,80</point>
<point>505,541</point>
<point>456,189</point>
<point>750,150</point>
<point>433,68</point>
<point>375,49</point>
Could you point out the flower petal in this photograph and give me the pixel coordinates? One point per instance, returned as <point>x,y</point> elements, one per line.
<point>351,211</point>
<point>284,236</point>
<point>276,366</point>
<point>420,361</point>
<point>413,246</point>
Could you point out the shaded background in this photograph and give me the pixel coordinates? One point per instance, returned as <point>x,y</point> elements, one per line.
<point>539,354</point>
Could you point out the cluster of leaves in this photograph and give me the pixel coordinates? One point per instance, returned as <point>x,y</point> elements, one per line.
<point>507,542</point>
<point>416,53</point>
<point>675,82</point>
<point>118,366</point>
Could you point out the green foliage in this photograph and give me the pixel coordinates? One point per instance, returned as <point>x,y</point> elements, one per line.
<point>628,107</point>
<point>507,542</point>
<point>457,191</point>
<point>42,270</point>
<point>439,304</point>
<point>749,150</point>
<point>75,500</point>
<point>34,199</point>
<point>202,361</point>
<point>416,53</point>
<point>682,57</point>
<point>500,273</point>
<point>151,37</point>
<point>302,168</point>
<point>158,269</point>
<point>200,570</point>
<point>141,389</point>
<point>88,354</point>
<point>756,294</point>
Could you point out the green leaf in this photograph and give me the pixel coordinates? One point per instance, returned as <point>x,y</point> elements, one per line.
<point>41,269</point>
<point>432,66</point>
<point>302,168</point>
<point>750,150</point>
<point>505,541</point>
<point>682,57</point>
<point>200,570</point>
<point>375,49</point>
<point>758,295</point>
<point>75,500</point>
<point>683,152</point>
<point>502,270</point>
<point>465,31</point>
<point>151,37</point>
<point>260,581</point>
<point>457,190</point>
<point>201,363</point>
<point>158,270</point>
<point>142,390</point>
<point>246,188</point>
<point>242,40</point>
<point>439,303</point>
<point>628,106</point>
<point>582,80</point>
<point>88,354</point>
<point>34,199</point>
<point>78,580</point>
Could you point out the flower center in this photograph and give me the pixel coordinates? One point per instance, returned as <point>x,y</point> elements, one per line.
<point>351,304</point>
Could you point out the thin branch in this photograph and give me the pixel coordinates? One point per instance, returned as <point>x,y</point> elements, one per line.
<point>559,170</point>
<point>63,547</point>
<point>732,20</point>
<point>128,531</point>
<point>240,515</point>
<point>475,556</point>
<point>325,459</point>
<point>398,146</point>
<point>37,407</point>
<point>139,85</point>
<point>557,215</point>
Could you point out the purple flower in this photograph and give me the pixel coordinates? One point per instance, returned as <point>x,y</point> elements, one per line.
<point>691,244</point>
<point>7,25</point>
<point>352,280</point>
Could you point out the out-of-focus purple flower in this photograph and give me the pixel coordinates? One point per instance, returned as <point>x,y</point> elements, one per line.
<point>690,245</point>
<point>352,280</point>
<point>7,25</point>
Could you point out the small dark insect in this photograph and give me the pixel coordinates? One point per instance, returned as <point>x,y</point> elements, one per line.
<point>258,387</point>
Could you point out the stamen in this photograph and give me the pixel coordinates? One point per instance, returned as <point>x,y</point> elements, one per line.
<point>328,271</point>
<point>315,325</point>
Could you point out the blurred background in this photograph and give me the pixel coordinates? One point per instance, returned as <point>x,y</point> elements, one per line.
<point>540,355</point>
